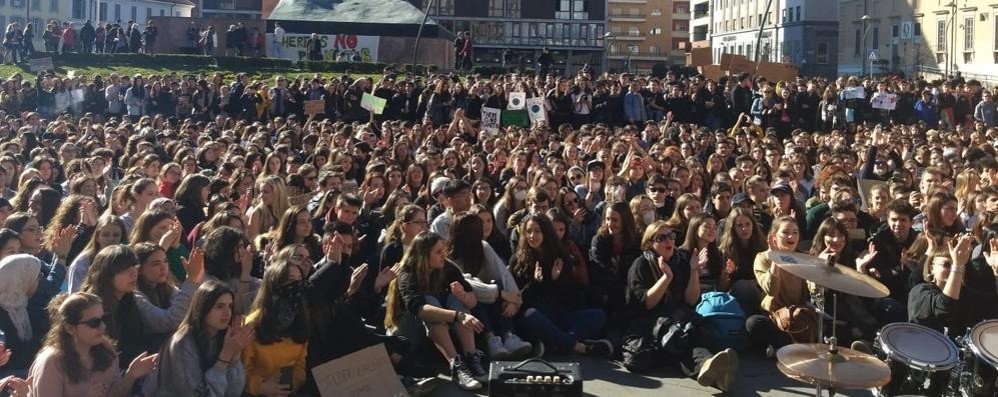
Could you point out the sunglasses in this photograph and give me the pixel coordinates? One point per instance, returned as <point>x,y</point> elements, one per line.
<point>665,236</point>
<point>96,322</point>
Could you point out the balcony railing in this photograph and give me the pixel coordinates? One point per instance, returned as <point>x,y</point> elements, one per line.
<point>626,16</point>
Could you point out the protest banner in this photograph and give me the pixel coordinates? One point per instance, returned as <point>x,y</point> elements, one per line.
<point>365,373</point>
<point>776,72</point>
<point>294,46</point>
<point>711,72</point>
<point>515,118</point>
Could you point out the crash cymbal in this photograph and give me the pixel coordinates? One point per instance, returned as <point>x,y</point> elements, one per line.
<point>845,369</point>
<point>839,278</point>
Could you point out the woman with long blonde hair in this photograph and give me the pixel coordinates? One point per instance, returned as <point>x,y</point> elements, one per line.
<point>272,202</point>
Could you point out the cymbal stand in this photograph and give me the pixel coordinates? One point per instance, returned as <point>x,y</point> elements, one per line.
<point>820,305</point>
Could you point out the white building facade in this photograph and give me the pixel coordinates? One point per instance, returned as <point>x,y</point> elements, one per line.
<point>803,32</point>
<point>128,10</point>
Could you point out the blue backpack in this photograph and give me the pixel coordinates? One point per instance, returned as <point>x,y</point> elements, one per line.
<point>724,319</point>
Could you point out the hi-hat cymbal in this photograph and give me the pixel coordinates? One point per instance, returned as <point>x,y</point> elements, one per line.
<point>839,278</point>
<point>845,369</point>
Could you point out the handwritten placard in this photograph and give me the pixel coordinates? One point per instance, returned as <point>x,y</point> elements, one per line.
<point>365,373</point>
<point>885,101</point>
<point>317,106</point>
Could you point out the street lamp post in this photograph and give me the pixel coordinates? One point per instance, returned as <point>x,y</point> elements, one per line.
<point>607,42</point>
<point>866,29</point>
<point>419,34</point>
<point>952,47</point>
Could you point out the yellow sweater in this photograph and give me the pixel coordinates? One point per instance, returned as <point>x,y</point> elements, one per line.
<point>264,362</point>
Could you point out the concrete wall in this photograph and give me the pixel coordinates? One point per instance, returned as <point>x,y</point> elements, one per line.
<point>173,31</point>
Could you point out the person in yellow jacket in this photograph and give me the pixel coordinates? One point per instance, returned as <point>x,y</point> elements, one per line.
<point>275,359</point>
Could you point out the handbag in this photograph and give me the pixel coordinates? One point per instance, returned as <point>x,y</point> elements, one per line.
<point>797,321</point>
<point>675,333</point>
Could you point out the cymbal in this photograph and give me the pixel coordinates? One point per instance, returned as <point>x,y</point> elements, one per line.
<point>839,278</point>
<point>846,369</point>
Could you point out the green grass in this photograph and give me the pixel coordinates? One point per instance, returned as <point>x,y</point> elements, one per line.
<point>228,73</point>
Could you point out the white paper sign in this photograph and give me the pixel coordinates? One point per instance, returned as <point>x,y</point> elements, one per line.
<point>490,119</point>
<point>364,373</point>
<point>517,100</point>
<point>884,101</point>
<point>535,109</point>
<point>854,93</point>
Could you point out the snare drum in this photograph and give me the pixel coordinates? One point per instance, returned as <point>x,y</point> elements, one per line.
<point>980,367</point>
<point>919,358</point>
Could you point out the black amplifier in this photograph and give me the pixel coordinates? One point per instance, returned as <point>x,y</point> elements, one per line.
<point>534,378</point>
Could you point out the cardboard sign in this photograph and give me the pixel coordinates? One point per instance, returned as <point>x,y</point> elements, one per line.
<point>365,373</point>
<point>535,109</point>
<point>700,56</point>
<point>317,106</point>
<point>711,72</point>
<point>736,64</point>
<point>373,103</point>
<point>776,72</point>
<point>865,186</point>
<point>517,100</point>
<point>884,101</point>
<point>41,64</point>
<point>490,119</point>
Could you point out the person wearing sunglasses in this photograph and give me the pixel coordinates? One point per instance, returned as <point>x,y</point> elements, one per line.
<point>78,357</point>
<point>661,283</point>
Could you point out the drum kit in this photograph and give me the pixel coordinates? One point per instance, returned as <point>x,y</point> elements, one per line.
<point>910,359</point>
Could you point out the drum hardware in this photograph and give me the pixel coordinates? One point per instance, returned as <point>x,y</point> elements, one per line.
<point>978,374</point>
<point>825,365</point>
<point>921,359</point>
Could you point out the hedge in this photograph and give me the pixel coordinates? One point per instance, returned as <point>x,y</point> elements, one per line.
<point>166,60</point>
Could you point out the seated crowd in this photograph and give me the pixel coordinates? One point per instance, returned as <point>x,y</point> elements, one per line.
<point>180,235</point>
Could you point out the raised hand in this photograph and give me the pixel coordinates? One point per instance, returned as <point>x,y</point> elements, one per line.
<point>142,365</point>
<point>237,336</point>
<point>273,388</point>
<point>992,256</point>
<point>334,249</point>
<point>663,265</point>
<point>64,241</point>
<point>468,321</point>
<point>17,387</point>
<point>538,272</point>
<point>386,275</point>
<point>194,266</point>
<point>863,262</point>
<point>959,249</point>
<point>556,268</point>
<point>729,266</point>
<point>700,259</point>
<point>356,279</point>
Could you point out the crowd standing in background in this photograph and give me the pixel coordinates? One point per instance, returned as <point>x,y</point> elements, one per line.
<point>177,235</point>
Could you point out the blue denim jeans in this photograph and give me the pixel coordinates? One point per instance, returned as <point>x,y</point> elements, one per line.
<point>559,327</point>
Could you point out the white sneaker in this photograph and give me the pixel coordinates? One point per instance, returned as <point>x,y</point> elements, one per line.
<point>496,349</point>
<point>517,347</point>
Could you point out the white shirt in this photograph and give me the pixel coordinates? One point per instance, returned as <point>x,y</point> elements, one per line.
<point>279,34</point>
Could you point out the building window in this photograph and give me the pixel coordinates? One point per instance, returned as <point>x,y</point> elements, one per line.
<point>750,21</point>
<point>148,12</point>
<point>655,31</point>
<point>655,50</point>
<point>784,18</point>
<point>656,12</point>
<point>446,7</point>
<point>17,3</point>
<point>679,26</point>
<point>941,35</point>
<point>135,13</point>
<point>162,12</point>
<point>799,17</point>
<point>572,9</point>
<point>917,27</point>
<point>78,9</point>
<point>512,8</point>
<point>875,32</point>
<point>968,33</point>
<point>117,12</point>
<point>53,5</point>
<point>633,31</point>
<point>496,8</point>
<point>102,12</point>
<point>681,9</point>
<point>822,54</point>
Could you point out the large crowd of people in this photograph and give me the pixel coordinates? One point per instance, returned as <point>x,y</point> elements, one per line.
<point>189,235</point>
